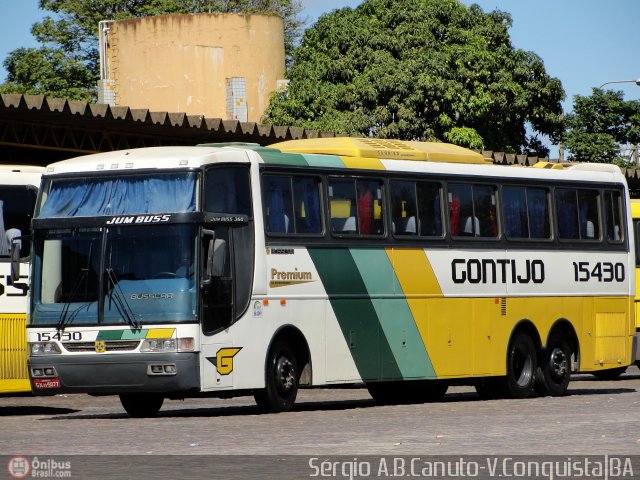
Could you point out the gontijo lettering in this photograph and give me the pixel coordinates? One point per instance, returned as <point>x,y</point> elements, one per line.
<point>488,270</point>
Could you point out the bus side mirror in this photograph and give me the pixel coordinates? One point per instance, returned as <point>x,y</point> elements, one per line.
<point>216,258</point>
<point>16,246</point>
<point>217,261</point>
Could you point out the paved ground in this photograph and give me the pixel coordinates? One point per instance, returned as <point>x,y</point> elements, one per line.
<point>598,417</point>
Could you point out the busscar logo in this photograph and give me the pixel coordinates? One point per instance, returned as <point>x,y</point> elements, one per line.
<point>151,296</point>
<point>137,219</point>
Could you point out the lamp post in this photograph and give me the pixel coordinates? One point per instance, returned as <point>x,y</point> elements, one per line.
<point>634,149</point>
<point>636,81</point>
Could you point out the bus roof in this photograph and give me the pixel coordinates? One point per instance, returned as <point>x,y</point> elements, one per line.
<point>382,149</point>
<point>20,175</point>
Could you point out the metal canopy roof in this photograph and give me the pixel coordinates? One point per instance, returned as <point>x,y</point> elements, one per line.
<point>38,130</point>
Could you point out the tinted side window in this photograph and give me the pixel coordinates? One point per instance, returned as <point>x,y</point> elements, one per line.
<point>227,190</point>
<point>292,204</point>
<point>355,206</point>
<point>526,212</point>
<point>577,214</point>
<point>613,216</point>
<point>416,209</point>
<point>472,210</point>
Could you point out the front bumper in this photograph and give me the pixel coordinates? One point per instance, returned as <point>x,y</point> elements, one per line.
<point>114,374</point>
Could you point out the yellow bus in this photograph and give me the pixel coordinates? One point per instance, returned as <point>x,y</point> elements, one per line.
<point>18,191</point>
<point>231,269</point>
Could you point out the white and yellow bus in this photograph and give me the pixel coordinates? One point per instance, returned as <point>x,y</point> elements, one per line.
<point>233,269</point>
<point>18,192</point>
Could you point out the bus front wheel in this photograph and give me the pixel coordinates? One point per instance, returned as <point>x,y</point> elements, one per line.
<point>521,367</point>
<point>141,405</point>
<point>281,380</point>
<point>554,371</point>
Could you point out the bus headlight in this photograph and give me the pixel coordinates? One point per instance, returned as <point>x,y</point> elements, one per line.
<point>167,345</point>
<point>44,348</point>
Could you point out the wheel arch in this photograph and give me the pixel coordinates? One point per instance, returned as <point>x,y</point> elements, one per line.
<point>526,326</point>
<point>565,327</point>
<point>298,343</point>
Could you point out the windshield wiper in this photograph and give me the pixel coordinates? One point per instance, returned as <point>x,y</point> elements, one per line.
<point>65,317</point>
<point>119,298</point>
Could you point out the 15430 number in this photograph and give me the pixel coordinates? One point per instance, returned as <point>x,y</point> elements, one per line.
<point>599,271</point>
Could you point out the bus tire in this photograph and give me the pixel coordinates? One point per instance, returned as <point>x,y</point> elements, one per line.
<point>521,367</point>
<point>281,380</point>
<point>610,373</point>
<point>554,370</point>
<point>141,405</point>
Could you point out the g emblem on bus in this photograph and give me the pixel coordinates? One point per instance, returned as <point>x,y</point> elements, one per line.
<point>101,347</point>
<point>223,360</point>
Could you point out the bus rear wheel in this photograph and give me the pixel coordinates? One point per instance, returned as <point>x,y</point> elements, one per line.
<point>281,380</point>
<point>521,367</point>
<point>554,371</point>
<point>141,405</point>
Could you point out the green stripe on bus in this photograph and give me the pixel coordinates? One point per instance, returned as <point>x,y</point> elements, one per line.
<point>110,335</point>
<point>355,312</point>
<point>328,161</point>
<point>396,320</point>
<point>135,334</point>
<point>276,157</point>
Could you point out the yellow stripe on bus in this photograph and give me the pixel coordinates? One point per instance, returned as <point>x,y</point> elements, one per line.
<point>160,332</point>
<point>362,163</point>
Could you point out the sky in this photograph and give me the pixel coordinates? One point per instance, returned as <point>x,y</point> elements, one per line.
<point>584,43</point>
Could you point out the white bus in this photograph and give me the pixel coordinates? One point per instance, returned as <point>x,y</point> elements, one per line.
<point>234,269</point>
<point>18,192</point>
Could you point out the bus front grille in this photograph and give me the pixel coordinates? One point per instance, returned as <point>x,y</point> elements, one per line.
<point>13,347</point>
<point>109,346</point>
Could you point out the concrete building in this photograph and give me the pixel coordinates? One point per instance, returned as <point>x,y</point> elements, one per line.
<point>220,65</point>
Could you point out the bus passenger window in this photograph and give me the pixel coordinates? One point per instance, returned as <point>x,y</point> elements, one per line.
<point>403,207</point>
<point>292,204</point>
<point>472,210</point>
<point>355,207</point>
<point>306,199</point>
<point>613,216</point>
<point>278,203</point>
<point>526,212</point>
<point>429,209</point>
<point>577,214</point>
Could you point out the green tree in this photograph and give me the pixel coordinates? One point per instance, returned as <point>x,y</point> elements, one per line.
<point>420,69</point>
<point>601,126</point>
<point>66,65</point>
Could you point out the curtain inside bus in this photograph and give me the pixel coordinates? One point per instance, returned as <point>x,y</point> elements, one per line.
<point>135,194</point>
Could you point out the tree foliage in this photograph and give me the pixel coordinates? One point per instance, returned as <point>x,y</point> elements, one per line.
<point>66,64</point>
<point>420,69</point>
<point>601,126</point>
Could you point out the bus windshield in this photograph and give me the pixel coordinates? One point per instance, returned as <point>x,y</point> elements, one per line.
<point>115,275</point>
<point>16,210</point>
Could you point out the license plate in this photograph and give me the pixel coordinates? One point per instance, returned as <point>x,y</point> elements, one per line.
<point>46,383</point>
